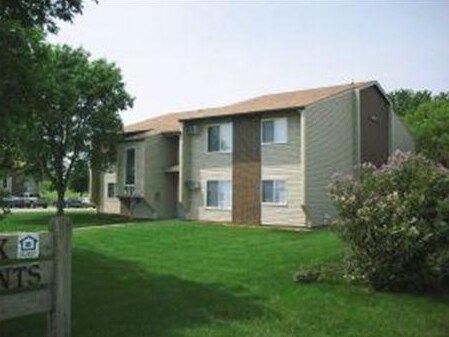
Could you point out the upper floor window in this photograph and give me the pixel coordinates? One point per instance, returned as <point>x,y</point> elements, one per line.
<point>274,130</point>
<point>130,166</point>
<point>274,192</point>
<point>219,138</point>
<point>219,194</point>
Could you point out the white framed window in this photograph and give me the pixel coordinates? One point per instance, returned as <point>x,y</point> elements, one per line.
<point>274,192</point>
<point>219,194</point>
<point>219,138</point>
<point>274,130</point>
<point>130,167</point>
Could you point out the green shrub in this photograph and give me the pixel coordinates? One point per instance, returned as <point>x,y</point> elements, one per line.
<point>323,272</point>
<point>394,220</point>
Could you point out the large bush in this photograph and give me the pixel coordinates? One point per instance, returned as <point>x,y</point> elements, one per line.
<point>395,221</point>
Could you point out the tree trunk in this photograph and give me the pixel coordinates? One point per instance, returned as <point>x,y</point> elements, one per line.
<point>60,203</point>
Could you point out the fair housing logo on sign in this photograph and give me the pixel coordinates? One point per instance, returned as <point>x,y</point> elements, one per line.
<point>28,246</point>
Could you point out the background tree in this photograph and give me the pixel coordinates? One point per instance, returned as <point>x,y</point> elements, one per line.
<point>407,100</point>
<point>427,117</point>
<point>23,25</point>
<point>429,124</point>
<point>79,182</point>
<point>40,14</point>
<point>20,52</point>
<point>77,116</point>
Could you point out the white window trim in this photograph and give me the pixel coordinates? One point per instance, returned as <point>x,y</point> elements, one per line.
<point>207,138</point>
<point>217,208</point>
<point>273,142</point>
<point>271,203</point>
<point>125,185</point>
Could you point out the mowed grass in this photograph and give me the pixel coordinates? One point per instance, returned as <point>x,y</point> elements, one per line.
<point>32,221</point>
<point>175,278</point>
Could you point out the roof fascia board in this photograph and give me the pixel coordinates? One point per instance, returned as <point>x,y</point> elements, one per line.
<point>240,114</point>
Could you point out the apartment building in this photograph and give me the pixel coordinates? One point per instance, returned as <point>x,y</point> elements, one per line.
<point>266,160</point>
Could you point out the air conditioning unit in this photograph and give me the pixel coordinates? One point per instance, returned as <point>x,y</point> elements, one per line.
<point>129,190</point>
<point>192,129</point>
<point>192,185</point>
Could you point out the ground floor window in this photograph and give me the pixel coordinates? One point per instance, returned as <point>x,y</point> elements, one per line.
<point>219,194</point>
<point>111,190</point>
<point>274,192</point>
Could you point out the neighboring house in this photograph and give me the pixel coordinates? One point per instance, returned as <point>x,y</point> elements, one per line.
<point>267,160</point>
<point>17,184</point>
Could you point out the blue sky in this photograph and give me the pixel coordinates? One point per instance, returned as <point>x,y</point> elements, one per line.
<point>185,55</point>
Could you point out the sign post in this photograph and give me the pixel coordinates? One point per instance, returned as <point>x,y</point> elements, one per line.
<point>35,276</point>
<point>59,317</point>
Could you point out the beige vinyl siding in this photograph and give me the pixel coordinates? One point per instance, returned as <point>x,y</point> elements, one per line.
<point>329,149</point>
<point>283,162</point>
<point>160,186</point>
<point>139,146</point>
<point>138,210</point>
<point>400,136</point>
<point>202,166</point>
<point>154,155</point>
<point>109,205</point>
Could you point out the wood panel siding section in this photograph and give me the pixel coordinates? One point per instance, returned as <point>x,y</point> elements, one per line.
<point>374,126</point>
<point>246,171</point>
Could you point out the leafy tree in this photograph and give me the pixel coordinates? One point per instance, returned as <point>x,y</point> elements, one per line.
<point>442,96</point>
<point>79,181</point>
<point>427,117</point>
<point>40,14</point>
<point>407,100</point>
<point>77,116</point>
<point>23,24</point>
<point>20,52</point>
<point>430,124</point>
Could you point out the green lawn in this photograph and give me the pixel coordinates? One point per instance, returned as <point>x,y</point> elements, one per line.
<point>39,220</point>
<point>182,279</point>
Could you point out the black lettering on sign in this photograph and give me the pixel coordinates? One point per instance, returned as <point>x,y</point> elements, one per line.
<point>21,276</point>
<point>19,272</point>
<point>35,275</point>
<point>3,254</point>
<point>4,278</point>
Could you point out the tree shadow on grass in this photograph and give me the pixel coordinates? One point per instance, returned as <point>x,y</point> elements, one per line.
<point>114,297</point>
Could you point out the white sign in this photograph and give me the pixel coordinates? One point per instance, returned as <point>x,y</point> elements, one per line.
<point>28,246</point>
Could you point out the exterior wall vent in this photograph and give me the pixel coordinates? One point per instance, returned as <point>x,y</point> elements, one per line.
<point>192,185</point>
<point>192,129</point>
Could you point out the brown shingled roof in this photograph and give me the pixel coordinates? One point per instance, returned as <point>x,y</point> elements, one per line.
<point>160,124</point>
<point>280,101</point>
